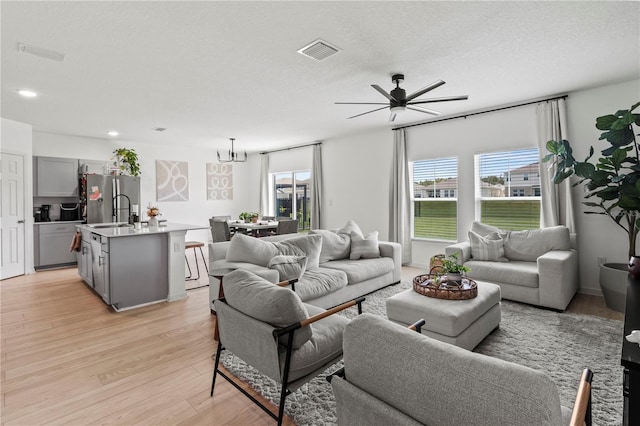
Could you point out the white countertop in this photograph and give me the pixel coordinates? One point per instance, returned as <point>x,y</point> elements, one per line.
<point>57,222</point>
<point>165,227</point>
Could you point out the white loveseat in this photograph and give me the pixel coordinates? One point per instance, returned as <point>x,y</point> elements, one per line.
<point>537,266</point>
<point>333,266</point>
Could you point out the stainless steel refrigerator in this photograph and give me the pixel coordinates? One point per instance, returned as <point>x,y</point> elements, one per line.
<point>111,198</point>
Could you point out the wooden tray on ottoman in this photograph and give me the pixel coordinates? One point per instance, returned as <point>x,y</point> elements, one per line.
<point>430,286</point>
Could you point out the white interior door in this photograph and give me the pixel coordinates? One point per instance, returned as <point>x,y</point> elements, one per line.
<point>12,215</point>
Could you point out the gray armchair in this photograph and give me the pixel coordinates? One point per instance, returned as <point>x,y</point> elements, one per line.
<point>425,381</point>
<point>269,328</point>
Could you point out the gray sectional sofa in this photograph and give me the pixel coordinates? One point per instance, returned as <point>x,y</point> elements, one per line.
<point>333,266</point>
<point>537,266</point>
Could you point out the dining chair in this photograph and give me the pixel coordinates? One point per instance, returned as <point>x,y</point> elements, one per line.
<point>219,230</point>
<point>287,226</point>
<point>221,217</point>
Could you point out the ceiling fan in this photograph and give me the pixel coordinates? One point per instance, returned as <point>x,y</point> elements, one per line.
<point>399,101</point>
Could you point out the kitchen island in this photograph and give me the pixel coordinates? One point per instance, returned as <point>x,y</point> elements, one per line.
<point>130,267</point>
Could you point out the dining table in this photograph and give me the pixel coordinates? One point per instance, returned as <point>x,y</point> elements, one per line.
<point>257,229</point>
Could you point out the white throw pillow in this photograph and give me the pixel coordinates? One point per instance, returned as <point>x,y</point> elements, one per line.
<point>334,245</point>
<point>244,248</point>
<point>364,247</point>
<point>489,247</point>
<point>309,245</point>
<point>530,244</point>
<point>483,229</point>
<point>350,227</point>
<point>289,267</point>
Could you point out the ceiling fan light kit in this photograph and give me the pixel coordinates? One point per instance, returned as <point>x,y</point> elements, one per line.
<point>233,156</point>
<point>400,102</point>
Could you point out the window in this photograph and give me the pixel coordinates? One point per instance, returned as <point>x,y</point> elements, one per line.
<point>293,203</point>
<point>435,184</point>
<point>508,189</point>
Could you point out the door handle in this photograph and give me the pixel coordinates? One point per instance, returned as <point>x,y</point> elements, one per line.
<point>21,221</point>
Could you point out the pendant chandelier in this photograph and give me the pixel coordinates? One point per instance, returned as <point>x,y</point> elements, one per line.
<point>233,156</point>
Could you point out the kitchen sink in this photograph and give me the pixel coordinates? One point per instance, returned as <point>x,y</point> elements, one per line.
<point>110,225</point>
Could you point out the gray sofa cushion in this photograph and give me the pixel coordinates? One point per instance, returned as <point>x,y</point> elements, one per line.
<point>244,248</point>
<point>320,281</point>
<point>324,346</point>
<point>530,244</point>
<point>364,247</point>
<point>270,275</point>
<point>334,245</point>
<point>514,272</point>
<point>264,301</point>
<point>309,245</point>
<point>362,269</point>
<point>422,377</point>
<point>288,267</point>
<point>483,229</point>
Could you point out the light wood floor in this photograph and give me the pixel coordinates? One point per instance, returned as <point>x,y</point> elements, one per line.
<point>68,359</point>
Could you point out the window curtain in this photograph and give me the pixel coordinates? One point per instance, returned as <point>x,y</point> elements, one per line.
<point>556,207</point>
<point>400,211</point>
<point>264,186</point>
<point>316,187</point>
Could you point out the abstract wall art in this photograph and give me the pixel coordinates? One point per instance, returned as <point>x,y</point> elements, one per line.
<point>172,180</point>
<point>219,181</point>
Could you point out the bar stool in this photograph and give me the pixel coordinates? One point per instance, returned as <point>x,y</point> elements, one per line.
<point>193,245</point>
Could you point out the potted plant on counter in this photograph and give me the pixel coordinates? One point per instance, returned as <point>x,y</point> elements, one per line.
<point>612,187</point>
<point>248,216</point>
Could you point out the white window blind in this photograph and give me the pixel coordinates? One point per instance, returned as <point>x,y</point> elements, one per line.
<point>508,188</point>
<point>435,205</point>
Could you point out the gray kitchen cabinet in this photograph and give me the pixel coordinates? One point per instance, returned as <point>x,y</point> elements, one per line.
<point>91,166</point>
<point>56,177</point>
<point>85,269</point>
<point>52,244</point>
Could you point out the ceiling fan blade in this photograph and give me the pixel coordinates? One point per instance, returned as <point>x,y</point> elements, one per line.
<point>426,111</point>
<point>425,90</point>
<point>392,117</point>
<point>361,103</point>
<point>368,112</point>
<point>444,99</point>
<point>385,94</point>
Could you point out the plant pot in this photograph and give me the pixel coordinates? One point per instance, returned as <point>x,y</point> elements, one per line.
<point>634,266</point>
<point>454,277</point>
<point>613,282</point>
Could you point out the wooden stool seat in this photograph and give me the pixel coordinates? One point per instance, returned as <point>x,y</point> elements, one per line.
<point>193,245</point>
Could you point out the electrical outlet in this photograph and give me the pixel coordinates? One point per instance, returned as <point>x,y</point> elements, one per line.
<point>176,247</point>
<point>602,260</point>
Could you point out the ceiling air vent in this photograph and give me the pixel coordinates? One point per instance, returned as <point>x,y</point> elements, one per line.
<point>319,50</point>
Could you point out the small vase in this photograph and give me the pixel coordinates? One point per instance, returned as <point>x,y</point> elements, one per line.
<point>634,266</point>
<point>153,221</point>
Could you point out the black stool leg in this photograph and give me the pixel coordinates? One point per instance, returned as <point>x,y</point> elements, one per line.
<point>203,260</point>
<point>187,260</point>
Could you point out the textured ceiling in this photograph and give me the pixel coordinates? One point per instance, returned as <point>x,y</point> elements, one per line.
<point>208,71</point>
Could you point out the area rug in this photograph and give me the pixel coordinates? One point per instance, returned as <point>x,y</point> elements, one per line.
<point>560,344</point>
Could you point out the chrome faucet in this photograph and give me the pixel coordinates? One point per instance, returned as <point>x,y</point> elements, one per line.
<point>115,209</point>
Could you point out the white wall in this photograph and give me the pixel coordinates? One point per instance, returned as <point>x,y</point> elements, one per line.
<point>16,139</point>
<point>196,211</point>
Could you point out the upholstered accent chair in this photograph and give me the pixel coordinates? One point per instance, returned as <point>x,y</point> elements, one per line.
<point>393,376</point>
<point>287,226</point>
<point>269,328</point>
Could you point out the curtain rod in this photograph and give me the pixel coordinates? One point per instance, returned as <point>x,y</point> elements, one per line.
<point>482,112</point>
<point>289,148</point>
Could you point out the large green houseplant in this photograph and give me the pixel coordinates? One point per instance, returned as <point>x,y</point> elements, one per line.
<point>612,183</point>
<point>127,161</point>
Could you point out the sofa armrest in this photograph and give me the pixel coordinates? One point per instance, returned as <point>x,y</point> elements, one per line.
<point>463,250</point>
<point>218,251</point>
<point>557,278</point>
<point>394,251</point>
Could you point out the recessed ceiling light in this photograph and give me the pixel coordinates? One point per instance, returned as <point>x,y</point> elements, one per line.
<point>113,133</point>
<point>27,93</point>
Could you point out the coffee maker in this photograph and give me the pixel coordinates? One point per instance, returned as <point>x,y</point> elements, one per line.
<point>44,213</point>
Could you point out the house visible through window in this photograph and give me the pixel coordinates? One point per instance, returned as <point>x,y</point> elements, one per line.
<point>508,189</point>
<point>292,193</point>
<point>435,185</point>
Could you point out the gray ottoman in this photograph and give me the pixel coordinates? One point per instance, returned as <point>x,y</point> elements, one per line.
<point>463,323</point>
